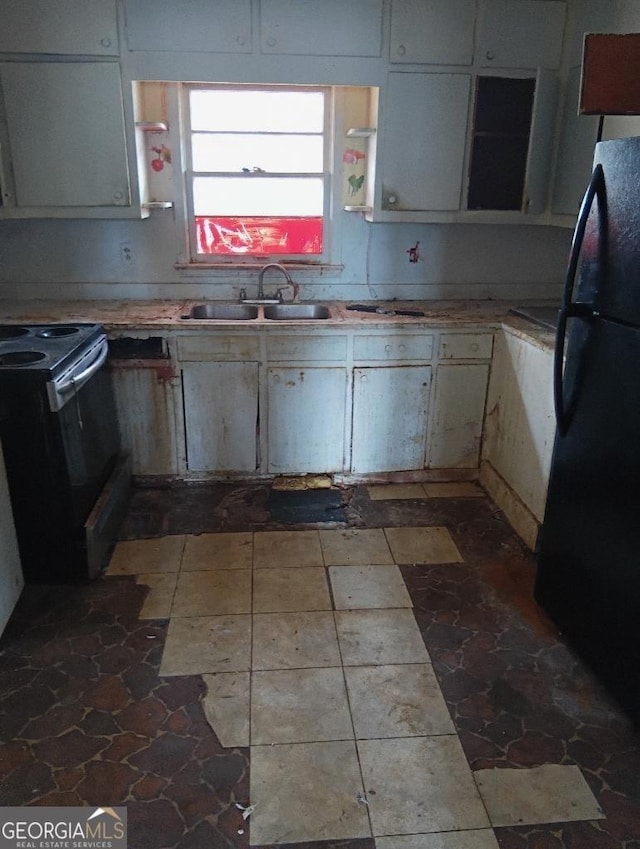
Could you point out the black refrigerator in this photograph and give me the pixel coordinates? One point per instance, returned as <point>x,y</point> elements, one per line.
<point>588,577</point>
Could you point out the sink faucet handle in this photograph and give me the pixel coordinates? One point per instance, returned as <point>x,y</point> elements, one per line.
<point>243,294</point>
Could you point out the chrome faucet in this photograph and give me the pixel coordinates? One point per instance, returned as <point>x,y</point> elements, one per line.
<point>276,298</point>
<point>281,268</point>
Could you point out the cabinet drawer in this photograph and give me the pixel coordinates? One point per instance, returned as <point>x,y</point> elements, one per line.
<point>466,346</point>
<point>417,347</point>
<point>283,348</point>
<point>215,347</point>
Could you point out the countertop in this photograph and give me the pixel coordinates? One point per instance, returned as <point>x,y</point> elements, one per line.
<point>119,315</point>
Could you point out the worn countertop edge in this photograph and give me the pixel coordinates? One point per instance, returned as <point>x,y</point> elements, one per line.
<point>147,314</point>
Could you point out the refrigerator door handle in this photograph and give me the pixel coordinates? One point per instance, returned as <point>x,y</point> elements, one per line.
<point>569,307</point>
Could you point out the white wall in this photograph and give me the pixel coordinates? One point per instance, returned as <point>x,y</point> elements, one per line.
<point>61,258</point>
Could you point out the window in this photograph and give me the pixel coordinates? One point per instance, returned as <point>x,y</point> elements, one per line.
<point>257,175</point>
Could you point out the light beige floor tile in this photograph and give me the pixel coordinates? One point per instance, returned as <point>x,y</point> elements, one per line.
<point>140,556</point>
<point>397,701</point>
<point>279,549</point>
<point>421,784</point>
<point>291,589</point>
<point>354,546</point>
<point>306,791</point>
<point>299,706</point>
<point>549,793</point>
<point>422,545</point>
<point>294,640</point>
<point>392,491</point>
<point>200,644</point>
<point>226,706</point>
<point>212,593</point>
<point>379,637</point>
<point>218,551</point>
<point>162,586</point>
<point>453,489</point>
<point>357,587</point>
<point>476,839</point>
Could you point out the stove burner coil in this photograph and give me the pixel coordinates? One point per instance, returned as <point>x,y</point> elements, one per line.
<point>57,332</point>
<point>10,332</point>
<point>21,358</point>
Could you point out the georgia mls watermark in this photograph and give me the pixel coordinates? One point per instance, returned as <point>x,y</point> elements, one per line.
<point>63,828</point>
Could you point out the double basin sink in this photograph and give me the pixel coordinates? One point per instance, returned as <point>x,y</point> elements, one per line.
<point>247,312</point>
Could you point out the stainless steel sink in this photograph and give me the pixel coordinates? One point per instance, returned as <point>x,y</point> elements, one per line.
<point>297,312</point>
<point>228,312</point>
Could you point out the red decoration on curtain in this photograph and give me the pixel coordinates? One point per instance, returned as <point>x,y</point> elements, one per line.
<point>258,236</point>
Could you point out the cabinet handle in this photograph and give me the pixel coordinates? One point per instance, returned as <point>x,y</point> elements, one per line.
<point>363,378</point>
<point>401,50</point>
<point>105,42</point>
<point>271,42</point>
<point>387,348</point>
<point>392,199</point>
<point>118,195</point>
<point>241,40</point>
<point>491,55</point>
<point>401,348</point>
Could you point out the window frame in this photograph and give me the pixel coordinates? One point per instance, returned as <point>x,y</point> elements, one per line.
<point>194,259</point>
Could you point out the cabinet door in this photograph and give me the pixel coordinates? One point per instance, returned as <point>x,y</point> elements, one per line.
<point>198,25</point>
<point>456,433</point>
<point>81,27</point>
<point>306,419</point>
<point>221,416</point>
<point>66,133</point>
<point>521,34</point>
<point>422,142</point>
<point>330,28</point>
<point>390,407</point>
<point>146,416</point>
<point>437,32</point>
<point>11,578</point>
<point>578,135</point>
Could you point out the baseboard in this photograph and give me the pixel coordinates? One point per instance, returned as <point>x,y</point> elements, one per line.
<point>521,519</point>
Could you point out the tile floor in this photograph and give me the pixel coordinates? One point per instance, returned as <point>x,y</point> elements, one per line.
<point>388,684</point>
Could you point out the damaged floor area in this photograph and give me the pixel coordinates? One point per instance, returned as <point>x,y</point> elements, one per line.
<point>248,674</point>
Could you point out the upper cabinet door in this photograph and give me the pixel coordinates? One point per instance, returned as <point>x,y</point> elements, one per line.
<point>65,27</point>
<point>196,26</point>
<point>437,32</point>
<point>68,148</point>
<point>329,28</point>
<point>422,141</point>
<point>521,33</point>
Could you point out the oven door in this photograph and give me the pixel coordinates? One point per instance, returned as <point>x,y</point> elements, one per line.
<point>88,431</point>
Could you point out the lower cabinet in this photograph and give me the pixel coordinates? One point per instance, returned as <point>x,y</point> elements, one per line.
<point>390,409</point>
<point>458,414</point>
<point>146,416</point>
<point>306,409</point>
<point>221,416</point>
<point>293,403</point>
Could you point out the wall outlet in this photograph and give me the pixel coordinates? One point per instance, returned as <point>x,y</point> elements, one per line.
<point>126,253</point>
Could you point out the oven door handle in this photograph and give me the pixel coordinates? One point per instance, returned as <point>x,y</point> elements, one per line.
<point>78,380</point>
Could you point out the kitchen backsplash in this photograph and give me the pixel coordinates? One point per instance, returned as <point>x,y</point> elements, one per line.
<point>136,259</point>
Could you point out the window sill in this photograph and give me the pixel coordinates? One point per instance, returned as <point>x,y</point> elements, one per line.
<point>195,269</point>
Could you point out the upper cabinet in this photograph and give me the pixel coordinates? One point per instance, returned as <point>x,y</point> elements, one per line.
<point>437,32</point>
<point>511,142</point>
<point>330,28</point>
<point>67,149</point>
<point>422,141</point>
<point>577,137</point>
<point>520,33</point>
<point>196,26</point>
<point>80,27</point>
